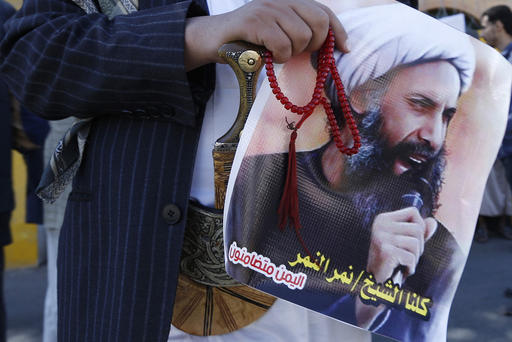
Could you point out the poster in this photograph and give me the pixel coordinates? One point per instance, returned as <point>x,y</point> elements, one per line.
<point>385,233</point>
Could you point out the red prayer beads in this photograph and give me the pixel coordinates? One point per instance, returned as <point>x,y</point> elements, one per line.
<point>326,64</point>
<point>288,210</point>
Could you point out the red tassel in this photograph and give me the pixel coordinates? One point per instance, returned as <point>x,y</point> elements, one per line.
<point>289,207</point>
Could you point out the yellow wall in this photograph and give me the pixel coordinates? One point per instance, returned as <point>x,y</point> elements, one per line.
<point>16,3</point>
<point>23,251</point>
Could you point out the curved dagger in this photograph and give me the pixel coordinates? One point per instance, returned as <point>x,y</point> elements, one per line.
<point>246,60</point>
<point>201,299</point>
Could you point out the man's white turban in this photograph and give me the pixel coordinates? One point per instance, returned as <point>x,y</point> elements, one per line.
<point>386,36</point>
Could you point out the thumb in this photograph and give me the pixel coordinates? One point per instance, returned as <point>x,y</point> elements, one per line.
<point>430,227</point>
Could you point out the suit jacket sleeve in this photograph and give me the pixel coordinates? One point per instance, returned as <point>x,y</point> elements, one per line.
<point>60,61</point>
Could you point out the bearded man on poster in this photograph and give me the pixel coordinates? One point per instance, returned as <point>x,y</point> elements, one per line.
<point>372,211</point>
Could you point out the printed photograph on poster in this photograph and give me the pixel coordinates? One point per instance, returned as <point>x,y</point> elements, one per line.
<point>383,234</point>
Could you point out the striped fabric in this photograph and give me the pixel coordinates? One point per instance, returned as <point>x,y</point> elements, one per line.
<point>7,198</point>
<point>66,158</point>
<point>148,44</point>
<point>118,256</point>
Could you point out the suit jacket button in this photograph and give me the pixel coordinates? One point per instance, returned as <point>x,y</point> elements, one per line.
<point>171,213</point>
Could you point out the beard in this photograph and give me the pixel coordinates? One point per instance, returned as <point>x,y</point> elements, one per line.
<point>371,182</point>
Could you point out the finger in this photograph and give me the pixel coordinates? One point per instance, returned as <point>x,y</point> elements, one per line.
<point>257,23</point>
<point>340,35</point>
<point>388,223</point>
<point>400,230</point>
<point>410,244</point>
<point>409,214</point>
<point>415,230</point>
<point>406,259</point>
<point>316,19</point>
<point>276,41</point>
<point>382,260</point>
<point>430,227</point>
<point>297,30</point>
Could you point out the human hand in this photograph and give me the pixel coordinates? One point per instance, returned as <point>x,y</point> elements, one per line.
<point>285,27</point>
<point>398,239</point>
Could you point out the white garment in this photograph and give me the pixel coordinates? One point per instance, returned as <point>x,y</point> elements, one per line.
<point>53,217</point>
<point>219,115</point>
<point>284,321</point>
<point>54,212</point>
<point>50,300</point>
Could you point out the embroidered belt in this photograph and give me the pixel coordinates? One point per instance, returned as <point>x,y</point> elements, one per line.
<point>202,257</point>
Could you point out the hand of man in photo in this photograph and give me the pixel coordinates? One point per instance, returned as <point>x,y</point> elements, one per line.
<point>398,239</point>
<point>397,243</point>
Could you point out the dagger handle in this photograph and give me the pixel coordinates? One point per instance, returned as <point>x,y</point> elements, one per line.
<point>246,60</point>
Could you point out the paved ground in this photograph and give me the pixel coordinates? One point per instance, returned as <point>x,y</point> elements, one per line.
<point>24,296</point>
<point>477,311</point>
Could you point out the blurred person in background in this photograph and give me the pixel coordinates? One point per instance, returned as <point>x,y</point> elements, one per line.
<point>36,129</point>
<point>497,31</point>
<point>496,208</point>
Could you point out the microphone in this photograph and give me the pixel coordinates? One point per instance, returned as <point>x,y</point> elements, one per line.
<point>412,199</point>
<point>419,197</point>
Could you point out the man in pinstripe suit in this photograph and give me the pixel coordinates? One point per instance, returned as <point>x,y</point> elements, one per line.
<point>145,79</point>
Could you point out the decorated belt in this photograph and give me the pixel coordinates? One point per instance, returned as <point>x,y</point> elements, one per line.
<point>202,256</point>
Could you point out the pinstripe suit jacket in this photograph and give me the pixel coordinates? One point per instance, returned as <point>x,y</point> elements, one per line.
<point>7,197</point>
<point>121,238</point>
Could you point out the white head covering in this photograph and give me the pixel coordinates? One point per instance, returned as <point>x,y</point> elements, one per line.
<point>384,37</point>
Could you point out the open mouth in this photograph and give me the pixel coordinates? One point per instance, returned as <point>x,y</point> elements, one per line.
<point>414,161</point>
